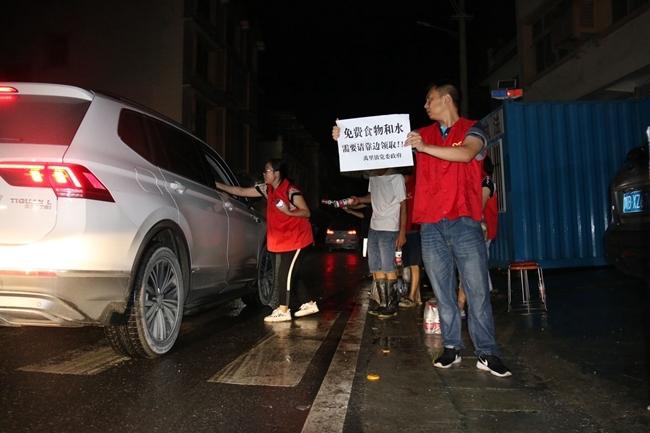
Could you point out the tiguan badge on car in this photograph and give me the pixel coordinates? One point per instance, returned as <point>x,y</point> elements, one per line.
<point>109,216</point>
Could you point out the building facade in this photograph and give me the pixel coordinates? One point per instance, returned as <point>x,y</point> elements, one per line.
<point>194,61</point>
<point>578,49</point>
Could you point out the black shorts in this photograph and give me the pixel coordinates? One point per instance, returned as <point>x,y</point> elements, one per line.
<point>412,250</point>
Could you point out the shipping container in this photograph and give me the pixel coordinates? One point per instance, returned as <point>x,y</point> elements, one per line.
<point>553,165</point>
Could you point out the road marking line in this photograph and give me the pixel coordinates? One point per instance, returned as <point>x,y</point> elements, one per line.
<point>327,414</point>
<point>282,357</point>
<point>81,362</point>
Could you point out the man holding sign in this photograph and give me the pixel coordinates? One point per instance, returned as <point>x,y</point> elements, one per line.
<point>448,206</point>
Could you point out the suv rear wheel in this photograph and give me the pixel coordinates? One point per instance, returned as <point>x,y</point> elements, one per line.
<point>156,308</point>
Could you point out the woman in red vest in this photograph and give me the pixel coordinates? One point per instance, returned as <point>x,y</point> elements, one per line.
<point>288,233</point>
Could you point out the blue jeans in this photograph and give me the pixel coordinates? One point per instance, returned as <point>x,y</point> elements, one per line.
<point>381,250</point>
<point>459,243</point>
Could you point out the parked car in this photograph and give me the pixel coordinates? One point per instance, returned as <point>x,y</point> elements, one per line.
<point>627,238</point>
<point>342,235</point>
<point>110,217</point>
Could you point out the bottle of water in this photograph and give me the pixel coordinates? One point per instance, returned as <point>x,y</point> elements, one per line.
<point>338,203</point>
<point>431,319</point>
<point>398,258</point>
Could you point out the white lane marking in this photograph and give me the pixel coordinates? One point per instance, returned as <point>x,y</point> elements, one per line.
<point>282,357</point>
<point>81,362</point>
<point>328,411</point>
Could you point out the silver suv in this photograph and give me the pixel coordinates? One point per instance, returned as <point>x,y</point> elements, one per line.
<point>109,217</point>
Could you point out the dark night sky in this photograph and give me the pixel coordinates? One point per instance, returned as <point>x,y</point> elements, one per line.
<point>360,58</point>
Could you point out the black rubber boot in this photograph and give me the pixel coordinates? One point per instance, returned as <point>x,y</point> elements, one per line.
<point>380,284</point>
<point>389,308</point>
<point>373,299</point>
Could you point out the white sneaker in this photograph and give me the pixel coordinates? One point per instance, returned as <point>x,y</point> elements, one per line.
<point>307,309</point>
<point>278,316</point>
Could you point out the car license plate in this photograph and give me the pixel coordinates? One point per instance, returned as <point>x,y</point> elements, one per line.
<point>633,202</point>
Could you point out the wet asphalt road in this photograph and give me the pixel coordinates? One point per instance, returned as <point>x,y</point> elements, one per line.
<point>581,367</point>
<point>173,393</point>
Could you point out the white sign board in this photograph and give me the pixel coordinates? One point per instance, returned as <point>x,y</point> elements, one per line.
<point>368,143</point>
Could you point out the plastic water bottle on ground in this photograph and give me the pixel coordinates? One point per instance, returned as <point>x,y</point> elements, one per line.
<point>431,319</point>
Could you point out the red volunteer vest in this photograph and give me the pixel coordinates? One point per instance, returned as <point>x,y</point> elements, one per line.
<point>283,232</point>
<point>445,189</point>
<point>410,194</point>
<point>490,215</point>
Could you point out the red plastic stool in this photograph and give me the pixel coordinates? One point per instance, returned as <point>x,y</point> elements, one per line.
<point>523,267</point>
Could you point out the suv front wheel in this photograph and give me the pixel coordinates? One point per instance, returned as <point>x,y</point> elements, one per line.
<point>156,307</point>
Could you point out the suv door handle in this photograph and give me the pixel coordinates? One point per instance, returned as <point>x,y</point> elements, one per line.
<point>178,187</point>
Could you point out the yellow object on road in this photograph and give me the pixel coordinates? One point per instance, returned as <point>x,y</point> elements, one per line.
<point>372,377</point>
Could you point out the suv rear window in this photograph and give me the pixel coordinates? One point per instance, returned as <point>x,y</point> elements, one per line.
<point>38,119</point>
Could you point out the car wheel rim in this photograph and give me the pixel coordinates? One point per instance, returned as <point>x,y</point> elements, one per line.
<point>161,302</point>
<point>266,279</point>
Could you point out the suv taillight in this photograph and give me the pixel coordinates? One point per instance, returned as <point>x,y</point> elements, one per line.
<point>8,94</point>
<point>66,180</point>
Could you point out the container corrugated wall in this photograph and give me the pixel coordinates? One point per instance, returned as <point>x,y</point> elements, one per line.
<point>558,159</point>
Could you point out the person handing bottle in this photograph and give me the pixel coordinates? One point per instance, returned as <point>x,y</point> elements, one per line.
<point>387,233</point>
<point>288,234</point>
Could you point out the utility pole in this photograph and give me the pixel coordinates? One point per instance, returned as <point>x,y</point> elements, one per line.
<point>462,18</point>
<point>462,54</point>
